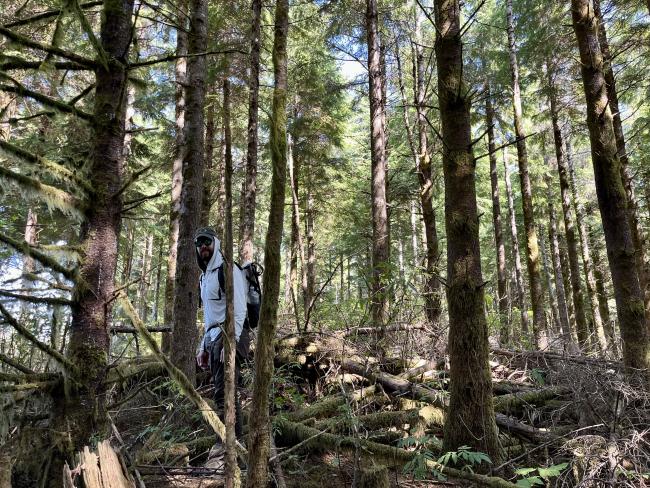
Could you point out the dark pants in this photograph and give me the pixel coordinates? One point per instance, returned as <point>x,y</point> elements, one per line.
<point>217,370</point>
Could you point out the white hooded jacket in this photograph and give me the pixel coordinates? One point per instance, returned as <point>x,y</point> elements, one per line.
<point>214,300</point>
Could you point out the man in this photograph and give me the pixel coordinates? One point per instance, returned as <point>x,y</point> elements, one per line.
<point>213,298</point>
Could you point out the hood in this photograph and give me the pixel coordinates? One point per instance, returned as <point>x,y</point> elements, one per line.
<point>215,261</point>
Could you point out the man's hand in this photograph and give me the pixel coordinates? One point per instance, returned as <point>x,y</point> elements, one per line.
<point>202,360</point>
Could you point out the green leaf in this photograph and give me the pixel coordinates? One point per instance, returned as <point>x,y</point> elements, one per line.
<point>530,482</point>
<point>524,471</point>
<point>552,471</point>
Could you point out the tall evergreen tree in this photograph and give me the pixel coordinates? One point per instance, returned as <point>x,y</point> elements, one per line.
<point>470,420</point>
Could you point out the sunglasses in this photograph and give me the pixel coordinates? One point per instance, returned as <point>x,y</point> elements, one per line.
<point>202,241</point>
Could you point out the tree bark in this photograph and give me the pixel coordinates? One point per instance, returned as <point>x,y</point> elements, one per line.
<point>557,266</point>
<point>177,168</point>
<point>550,286</point>
<point>471,413</point>
<point>582,330</point>
<point>424,169</point>
<point>247,226</point>
<point>532,250</point>
<point>297,248</point>
<point>566,276</point>
<point>82,411</point>
<point>597,324</point>
<point>502,292</point>
<point>626,176</point>
<point>311,244</point>
<point>230,347</point>
<point>186,288</point>
<point>611,193</point>
<point>519,279</point>
<point>260,427</point>
<point>209,170</point>
<point>145,278</point>
<point>599,275</point>
<point>380,240</point>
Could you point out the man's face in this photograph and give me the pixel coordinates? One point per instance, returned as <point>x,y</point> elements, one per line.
<point>205,247</point>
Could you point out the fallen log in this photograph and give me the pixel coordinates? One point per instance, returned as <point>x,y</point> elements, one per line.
<point>291,433</point>
<point>513,401</point>
<point>329,405</point>
<point>426,416</point>
<point>372,330</point>
<point>396,384</point>
<point>553,356</point>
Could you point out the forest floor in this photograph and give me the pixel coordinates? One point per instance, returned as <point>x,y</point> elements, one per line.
<point>340,415</point>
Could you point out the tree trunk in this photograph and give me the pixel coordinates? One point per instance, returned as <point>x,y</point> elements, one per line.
<point>557,266</point>
<point>297,248</point>
<point>471,413</point>
<point>81,412</point>
<point>599,274</point>
<point>186,288</point>
<point>231,471</point>
<point>582,330</point>
<point>597,324</point>
<point>311,244</point>
<point>502,292</point>
<point>611,193</point>
<point>566,277</point>
<point>247,230</point>
<point>626,176</point>
<point>209,170</point>
<point>519,279</point>
<point>532,251</point>
<point>380,242</point>
<point>177,169</point>
<point>260,426</point>
<point>550,286</point>
<point>145,278</point>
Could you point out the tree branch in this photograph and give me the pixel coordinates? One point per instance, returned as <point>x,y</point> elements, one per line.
<point>35,299</point>
<point>27,42</point>
<point>15,364</point>
<point>49,14</point>
<point>48,101</point>
<point>50,351</point>
<point>41,257</point>
<point>173,57</point>
<point>53,196</point>
<point>52,167</point>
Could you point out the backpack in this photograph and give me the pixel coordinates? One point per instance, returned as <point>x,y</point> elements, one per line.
<point>251,273</point>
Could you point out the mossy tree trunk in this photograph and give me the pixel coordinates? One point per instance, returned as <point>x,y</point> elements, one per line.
<point>596,326</point>
<point>557,265</point>
<point>519,279</point>
<point>186,287</point>
<point>81,412</point>
<point>260,426</point>
<point>471,412</point>
<point>610,191</point>
<point>380,238</point>
<point>180,71</point>
<point>626,174</point>
<point>532,250</point>
<point>247,225</point>
<point>432,300</point>
<point>502,291</point>
<point>582,330</point>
